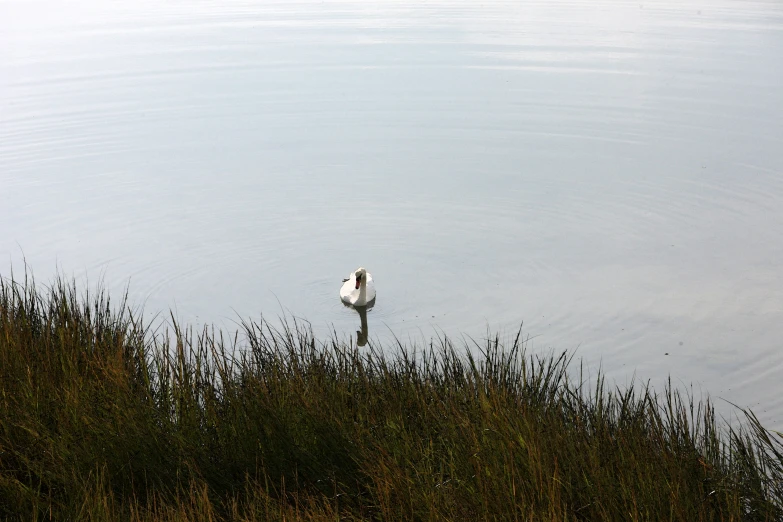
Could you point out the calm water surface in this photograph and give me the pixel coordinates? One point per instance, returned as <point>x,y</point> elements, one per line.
<point>608,172</point>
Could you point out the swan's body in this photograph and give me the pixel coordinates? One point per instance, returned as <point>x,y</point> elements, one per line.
<point>358,289</point>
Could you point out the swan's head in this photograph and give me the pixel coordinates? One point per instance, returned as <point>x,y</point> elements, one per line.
<point>360,274</point>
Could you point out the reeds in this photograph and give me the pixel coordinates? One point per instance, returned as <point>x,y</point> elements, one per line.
<point>104,419</point>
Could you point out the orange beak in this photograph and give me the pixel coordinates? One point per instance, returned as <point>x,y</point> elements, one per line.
<point>358,282</point>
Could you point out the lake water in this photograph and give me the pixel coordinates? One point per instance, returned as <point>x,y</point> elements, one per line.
<point>608,172</point>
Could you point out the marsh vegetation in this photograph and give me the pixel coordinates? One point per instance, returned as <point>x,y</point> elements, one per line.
<point>104,418</point>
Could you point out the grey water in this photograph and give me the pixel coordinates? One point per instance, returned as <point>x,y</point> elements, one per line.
<point>608,173</point>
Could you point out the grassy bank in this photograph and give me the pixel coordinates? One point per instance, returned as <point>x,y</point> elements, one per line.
<point>102,419</point>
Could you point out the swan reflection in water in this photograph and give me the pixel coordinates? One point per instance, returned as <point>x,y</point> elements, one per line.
<point>361,335</point>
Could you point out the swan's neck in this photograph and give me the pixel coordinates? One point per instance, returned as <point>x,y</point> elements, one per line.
<point>363,287</point>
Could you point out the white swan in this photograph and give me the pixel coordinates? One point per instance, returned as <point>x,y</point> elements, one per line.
<point>358,289</point>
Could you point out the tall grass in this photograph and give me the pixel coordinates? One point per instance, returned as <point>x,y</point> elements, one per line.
<point>103,419</point>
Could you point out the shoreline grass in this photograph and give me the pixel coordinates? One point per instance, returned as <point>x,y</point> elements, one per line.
<point>103,419</point>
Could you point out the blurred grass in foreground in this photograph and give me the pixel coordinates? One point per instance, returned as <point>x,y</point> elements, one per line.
<point>103,419</point>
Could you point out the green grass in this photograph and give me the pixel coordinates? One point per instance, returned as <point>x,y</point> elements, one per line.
<point>104,419</point>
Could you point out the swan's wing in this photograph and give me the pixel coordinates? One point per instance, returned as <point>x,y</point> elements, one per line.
<point>346,280</point>
<point>346,290</point>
